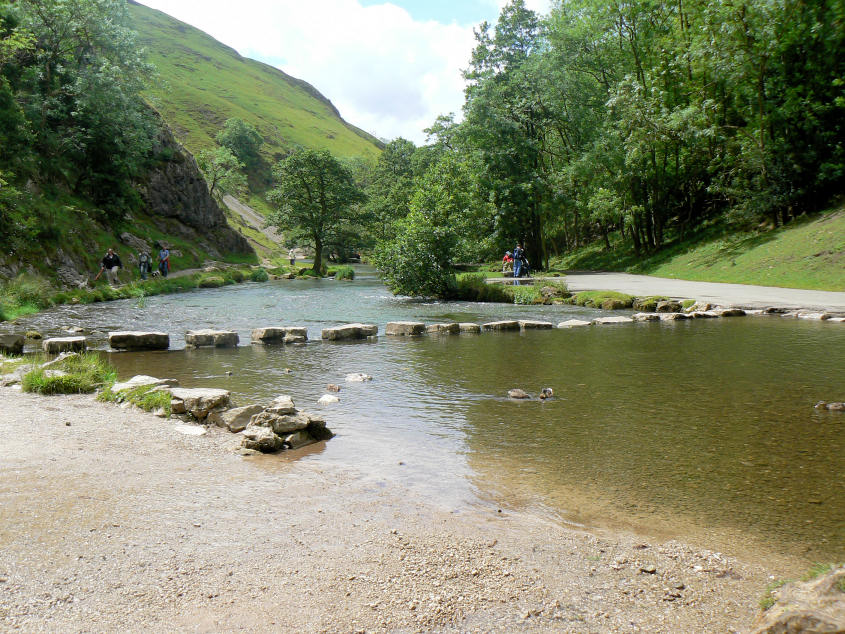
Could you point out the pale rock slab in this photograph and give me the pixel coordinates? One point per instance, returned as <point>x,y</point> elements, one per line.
<point>55,345</point>
<point>500,325</point>
<point>603,321</point>
<point>528,324</point>
<point>214,338</point>
<point>138,340</point>
<point>404,328</point>
<point>574,323</point>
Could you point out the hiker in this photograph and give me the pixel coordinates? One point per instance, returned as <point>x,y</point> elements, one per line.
<point>292,256</point>
<point>110,264</point>
<point>164,261</point>
<point>507,263</point>
<point>518,257</point>
<point>145,264</point>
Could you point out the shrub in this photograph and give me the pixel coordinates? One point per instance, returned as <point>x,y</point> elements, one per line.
<point>237,275</point>
<point>343,272</point>
<point>83,373</point>
<point>473,287</point>
<point>526,294</point>
<point>259,275</point>
<point>212,281</point>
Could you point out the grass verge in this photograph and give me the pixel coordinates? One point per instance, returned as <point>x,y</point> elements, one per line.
<point>78,374</point>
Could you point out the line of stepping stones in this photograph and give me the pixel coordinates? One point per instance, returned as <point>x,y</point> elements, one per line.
<point>138,340</point>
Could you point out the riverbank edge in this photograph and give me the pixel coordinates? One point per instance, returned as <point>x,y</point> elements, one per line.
<point>548,575</point>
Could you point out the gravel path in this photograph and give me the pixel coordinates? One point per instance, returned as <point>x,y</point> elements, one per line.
<point>114,521</point>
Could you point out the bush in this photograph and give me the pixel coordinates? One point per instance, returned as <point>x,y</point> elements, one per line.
<point>473,287</point>
<point>526,295</point>
<point>84,373</point>
<point>343,272</point>
<point>237,275</point>
<point>212,281</point>
<point>259,275</point>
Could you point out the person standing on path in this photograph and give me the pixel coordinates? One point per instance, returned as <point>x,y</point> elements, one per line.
<point>518,255</point>
<point>164,261</point>
<point>292,256</point>
<point>110,264</point>
<point>145,265</point>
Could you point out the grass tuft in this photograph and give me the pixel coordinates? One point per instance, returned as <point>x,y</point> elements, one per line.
<point>79,374</point>
<point>146,397</point>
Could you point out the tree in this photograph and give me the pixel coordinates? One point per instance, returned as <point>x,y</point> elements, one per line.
<point>242,139</point>
<point>315,195</point>
<point>222,169</point>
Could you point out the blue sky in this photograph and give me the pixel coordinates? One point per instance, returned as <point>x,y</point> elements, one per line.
<point>390,68</point>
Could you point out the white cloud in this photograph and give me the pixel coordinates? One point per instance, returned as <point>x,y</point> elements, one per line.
<point>385,72</point>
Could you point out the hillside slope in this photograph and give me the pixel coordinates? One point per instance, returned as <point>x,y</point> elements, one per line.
<point>204,82</point>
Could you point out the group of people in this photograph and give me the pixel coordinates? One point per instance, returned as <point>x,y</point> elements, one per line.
<point>517,262</point>
<point>111,264</point>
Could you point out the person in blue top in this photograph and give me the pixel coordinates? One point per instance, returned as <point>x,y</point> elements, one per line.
<point>518,256</point>
<point>164,261</point>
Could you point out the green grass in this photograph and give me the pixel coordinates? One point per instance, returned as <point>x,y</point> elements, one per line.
<point>208,82</point>
<point>85,373</point>
<point>342,272</point>
<point>259,275</point>
<point>473,287</point>
<point>595,299</point>
<point>145,397</point>
<point>10,364</point>
<point>808,253</point>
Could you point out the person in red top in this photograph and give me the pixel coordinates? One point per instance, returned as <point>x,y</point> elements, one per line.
<point>507,262</point>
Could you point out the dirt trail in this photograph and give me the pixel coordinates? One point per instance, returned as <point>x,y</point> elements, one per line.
<point>115,521</point>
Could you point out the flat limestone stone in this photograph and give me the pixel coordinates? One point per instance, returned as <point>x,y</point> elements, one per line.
<point>730,312</point>
<point>143,380</point>
<point>190,430</point>
<point>215,338</point>
<point>349,332</point>
<point>404,328</point>
<point>574,323</point>
<point>236,420</point>
<point>55,345</point>
<point>198,401</point>
<point>500,325</point>
<point>279,334</point>
<point>443,329</point>
<point>527,324</point>
<point>469,327</point>
<point>602,321</point>
<point>673,316</point>
<point>137,340</point>
<point>645,317</point>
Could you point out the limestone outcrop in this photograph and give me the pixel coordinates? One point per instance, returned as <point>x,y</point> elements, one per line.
<point>214,338</point>
<point>138,340</point>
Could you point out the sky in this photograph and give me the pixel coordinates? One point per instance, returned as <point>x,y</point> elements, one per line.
<point>390,68</point>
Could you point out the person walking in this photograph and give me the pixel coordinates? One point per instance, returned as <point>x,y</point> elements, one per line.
<point>145,265</point>
<point>164,261</point>
<point>110,264</point>
<point>292,256</point>
<point>518,255</point>
<point>507,263</point>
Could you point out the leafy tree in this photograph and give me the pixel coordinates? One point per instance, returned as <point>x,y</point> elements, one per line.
<point>391,186</point>
<point>242,139</point>
<point>316,195</point>
<point>222,169</point>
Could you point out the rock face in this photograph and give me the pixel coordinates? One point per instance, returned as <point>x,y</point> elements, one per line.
<point>198,402</point>
<point>12,344</point>
<point>137,340</point>
<point>527,324</point>
<point>279,334</point>
<point>349,332</point>
<point>574,323</point>
<point>404,328</point>
<point>810,606</point>
<point>215,338</point>
<point>443,329</point>
<point>500,325</point>
<point>469,327</point>
<point>55,345</point>
<point>282,426</point>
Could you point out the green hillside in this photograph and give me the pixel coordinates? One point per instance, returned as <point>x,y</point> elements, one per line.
<point>203,83</point>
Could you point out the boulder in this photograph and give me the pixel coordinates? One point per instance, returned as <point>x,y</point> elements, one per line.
<point>137,340</point>
<point>280,423</point>
<point>601,321</point>
<point>673,316</point>
<point>469,327</point>
<point>261,439</point>
<point>73,330</point>
<point>668,306</point>
<point>834,406</point>
<point>443,329</point>
<point>699,307</point>
<point>837,320</point>
<point>358,377</point>
<point>404,328</point>
<point>317,428</point>
<point>279,334</point>
<point>143,380</point>
<point>645,317</point>
<point>215,338</point>
<point>331,387</point>
<point>518,394</point>
<point>33,334</point>
<point>12,344</point>
<point>197,402</point>
<point>236,419</point>
<point>297,439</point>
<point>614,304</point>
<point>703,314</point>
<point>282,405</point>
<point>55,345</point>
<point>814,316</point>
<point>500,325</point>
<point>349,332</point>
<point>817,605</point>
<point>327,399</point>
<point>527,324</point>
<point>574,323</point>
<point>730,312</point>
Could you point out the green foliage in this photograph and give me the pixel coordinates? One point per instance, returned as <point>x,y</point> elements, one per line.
<point>595,299</point>
<point>259,275</point>
<point>526,295</point>
<point>211,281</point>
<point>145,397</point>
<point>316,197</point>
<point>473,287</point>
<point>83,373</point>
<point>222,170</point>
<point>242,140</point>
<point>342,272</point>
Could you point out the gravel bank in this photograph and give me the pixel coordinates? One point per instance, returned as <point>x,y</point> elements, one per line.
<point>114,521</point>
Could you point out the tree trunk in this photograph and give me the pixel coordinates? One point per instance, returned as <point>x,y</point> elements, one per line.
<point>318,255</point>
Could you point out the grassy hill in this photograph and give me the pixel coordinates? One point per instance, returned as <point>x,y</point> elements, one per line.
<point>807,253</point>
<point>203,83</point>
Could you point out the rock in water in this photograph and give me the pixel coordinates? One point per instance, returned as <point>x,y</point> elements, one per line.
<point>55,345</point>
<point>501,325</point>
<point>216,338</point>
<point>358,377</point>
<point>331,387</point>
<point>11,344</point>
<point>197,402</point>
<point>517,393</point>
<point>404,328</point>
<point>328,399</point>
<point>136,340</point>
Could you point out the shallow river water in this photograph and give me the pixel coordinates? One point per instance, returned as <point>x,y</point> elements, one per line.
<point>700,430</point>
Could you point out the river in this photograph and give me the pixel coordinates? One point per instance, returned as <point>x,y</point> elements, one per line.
<point>698,430</point>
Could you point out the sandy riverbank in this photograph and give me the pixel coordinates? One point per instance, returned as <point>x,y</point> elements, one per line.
<point>114,521</point>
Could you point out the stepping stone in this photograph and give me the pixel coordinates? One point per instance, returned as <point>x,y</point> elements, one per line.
<point>604,321</point>
<point>527,324</point>
<point>645,317</point>
<point>574,323</point>
<point>349,331</point>
<point>469,327</point>
<point>55,345</point>
<point>215,338</point>
<point>137,340</point>
<point>500,325</point>
<point>443,329</point>
<point>404,328</point>
<point>279,335</point>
